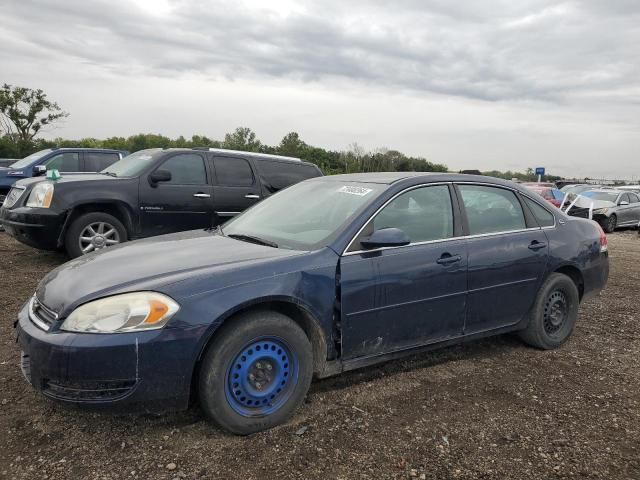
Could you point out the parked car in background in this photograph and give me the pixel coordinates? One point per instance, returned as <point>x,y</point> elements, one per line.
<point>550,194</point>
<point>539,184</point>
<point>583,187</point>
<point>610,208</point>
<point>329,275</point>
<point>150,192</point>
<point>63,159</point>
<point>630,188</point>
<point>5,162</point>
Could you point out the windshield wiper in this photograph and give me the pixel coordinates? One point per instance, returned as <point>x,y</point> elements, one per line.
<point>111,174</point>
<point>252,239</point>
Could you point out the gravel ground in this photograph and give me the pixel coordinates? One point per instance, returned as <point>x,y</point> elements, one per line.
<point>491,409</point>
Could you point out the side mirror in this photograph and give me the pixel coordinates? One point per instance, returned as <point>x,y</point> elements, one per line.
<point>623,203</point>
<point>386,237</point>
<point>159,176</point>
<point>39,170</point>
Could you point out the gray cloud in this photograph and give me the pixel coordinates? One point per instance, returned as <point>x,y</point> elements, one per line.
<point>494,50</point>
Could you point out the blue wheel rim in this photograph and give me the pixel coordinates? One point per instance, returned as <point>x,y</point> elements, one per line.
<point>261,377</point>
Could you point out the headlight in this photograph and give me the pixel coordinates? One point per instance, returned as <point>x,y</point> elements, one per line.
<point>41,195</point>
<point>122,313</point>
<point>601,210</point>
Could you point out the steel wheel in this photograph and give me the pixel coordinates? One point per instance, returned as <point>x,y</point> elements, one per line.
<point>555,312</point>
<point>261,377</point>
<point>98,235</point>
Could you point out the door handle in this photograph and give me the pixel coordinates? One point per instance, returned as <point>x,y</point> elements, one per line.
<point>447,259</point>
<point>536,245</point>
<point>252,196</point>
<point>202,195</point>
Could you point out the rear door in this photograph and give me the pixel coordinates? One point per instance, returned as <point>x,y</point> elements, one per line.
<point>236,186</point>
<point>507,257</point>
<point>183,203</point>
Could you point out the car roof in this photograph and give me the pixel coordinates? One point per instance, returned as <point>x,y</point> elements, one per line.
<point>390,178</point>
<point>89,149</point>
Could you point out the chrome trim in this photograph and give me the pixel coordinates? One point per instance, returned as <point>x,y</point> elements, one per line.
<point>34,318</point>
<point>16,187</point>
<point>228,214</point>
<point>252,196</point>
<point>202,195</point>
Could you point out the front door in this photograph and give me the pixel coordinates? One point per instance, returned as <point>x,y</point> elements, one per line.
<point>506,257</point>
<point>401,297</point>
<point>236,187</point>
<point>182,203</point>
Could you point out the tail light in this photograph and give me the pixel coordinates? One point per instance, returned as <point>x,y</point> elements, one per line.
<point>604,243</point>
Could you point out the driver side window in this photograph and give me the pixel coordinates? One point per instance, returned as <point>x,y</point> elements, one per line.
<point>424,214</point>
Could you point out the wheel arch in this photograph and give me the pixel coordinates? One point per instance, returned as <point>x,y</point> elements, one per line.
<point>575,275</point>
<point>117,208</point>
<point>287,306</point>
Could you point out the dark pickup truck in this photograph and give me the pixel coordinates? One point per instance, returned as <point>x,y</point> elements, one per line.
<point>150,192</point>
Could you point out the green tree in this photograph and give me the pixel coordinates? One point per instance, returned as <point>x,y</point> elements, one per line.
<point>292,145</point>
<point>242,138</point>
<point>25,112</point>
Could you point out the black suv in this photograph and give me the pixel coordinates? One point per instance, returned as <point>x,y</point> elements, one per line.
<point>150,192</point>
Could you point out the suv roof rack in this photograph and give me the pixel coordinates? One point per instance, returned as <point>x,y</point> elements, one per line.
<point>250,154</point>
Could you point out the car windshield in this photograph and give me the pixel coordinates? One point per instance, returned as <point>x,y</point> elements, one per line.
<point>26,161</point>
<point>133,164</point>
<point>606,196</point>
<point>305,216</point>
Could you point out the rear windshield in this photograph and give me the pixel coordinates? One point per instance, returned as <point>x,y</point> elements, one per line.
<point>26,161</point>
<point>134,164</point>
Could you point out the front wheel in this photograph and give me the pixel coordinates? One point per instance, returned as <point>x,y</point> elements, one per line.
<point>256,372</point>
<point>93,231</point>
<point>609,224</point>
<point>554,313</point>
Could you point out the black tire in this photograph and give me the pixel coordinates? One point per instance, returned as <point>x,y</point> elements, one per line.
<point>215,388</point>
<point>72,236</point>
<point>609,224</point>
<point>546,328</point>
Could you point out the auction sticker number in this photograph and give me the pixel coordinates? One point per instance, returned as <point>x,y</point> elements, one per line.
<point>360,191</point>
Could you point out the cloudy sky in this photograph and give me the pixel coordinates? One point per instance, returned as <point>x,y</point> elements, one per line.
<point>496,84</point>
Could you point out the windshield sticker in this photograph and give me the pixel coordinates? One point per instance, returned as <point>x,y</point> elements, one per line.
<point>144,157</point>
<point>360,191</point>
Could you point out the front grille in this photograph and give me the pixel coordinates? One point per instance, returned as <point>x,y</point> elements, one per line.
<point>40,315</point>
<point>12,197</point>
<point>88,391</point>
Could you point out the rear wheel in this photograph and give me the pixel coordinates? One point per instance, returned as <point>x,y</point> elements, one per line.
<point>554,314</point>
<point>93,231</point>
<point>256,372</point>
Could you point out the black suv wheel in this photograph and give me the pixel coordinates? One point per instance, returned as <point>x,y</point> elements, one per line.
<point>93,231</point>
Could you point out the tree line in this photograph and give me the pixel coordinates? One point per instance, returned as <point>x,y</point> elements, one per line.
<point>25,113</point>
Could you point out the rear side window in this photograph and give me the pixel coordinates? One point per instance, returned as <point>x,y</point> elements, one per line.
<point>634,198</point>
<point>235,172</point>
<point>491,209</point>
<point>65,162</point>
<point>278,175</point>
<point>423,214</point>
<point>186,169</point>
<point>542,215</point>
<point>96,161</point>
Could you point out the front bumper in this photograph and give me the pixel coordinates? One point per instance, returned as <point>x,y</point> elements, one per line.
<point>132,372</point>
<point>36,227</point>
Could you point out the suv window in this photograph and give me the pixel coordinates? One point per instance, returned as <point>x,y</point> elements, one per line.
<point>65,162</point>
<point>235,172</point>
<point>277,175</point>
<point>544,217</point>
<point>423,214</point>
<point>96,161</point>
<point>186,169</point>
<point>491,209</point>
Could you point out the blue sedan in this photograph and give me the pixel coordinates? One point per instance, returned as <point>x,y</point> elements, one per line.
<point>329,275</point>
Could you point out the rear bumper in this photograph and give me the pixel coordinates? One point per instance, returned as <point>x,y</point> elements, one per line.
<point>36,227</point>
<point>131,372</point>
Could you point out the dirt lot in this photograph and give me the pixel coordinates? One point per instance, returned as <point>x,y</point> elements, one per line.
<point>488,409</point>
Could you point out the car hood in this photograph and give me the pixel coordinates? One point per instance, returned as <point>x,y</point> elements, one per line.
<point>147,265</point>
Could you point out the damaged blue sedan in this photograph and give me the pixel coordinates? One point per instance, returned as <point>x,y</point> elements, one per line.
<point>329,275</point>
